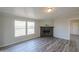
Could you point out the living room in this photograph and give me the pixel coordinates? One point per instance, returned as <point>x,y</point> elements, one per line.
<point>36,29</point>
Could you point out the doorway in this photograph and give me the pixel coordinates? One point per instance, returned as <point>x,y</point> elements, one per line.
<point>74,33</point>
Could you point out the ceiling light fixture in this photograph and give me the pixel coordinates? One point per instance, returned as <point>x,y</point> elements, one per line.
<point>50,9</point>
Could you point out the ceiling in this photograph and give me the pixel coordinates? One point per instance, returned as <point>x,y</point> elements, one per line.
<point>41,12</point>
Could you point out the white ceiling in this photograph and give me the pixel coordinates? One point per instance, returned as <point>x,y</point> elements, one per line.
<point>41,12</point>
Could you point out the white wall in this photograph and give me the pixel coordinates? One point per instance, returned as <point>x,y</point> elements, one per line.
<point>1,33</point>
<point>7,22</point>
<point>48,22</point>
<point>61,28</point>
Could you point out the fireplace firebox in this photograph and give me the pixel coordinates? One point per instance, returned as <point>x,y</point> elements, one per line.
<point>46,31</point>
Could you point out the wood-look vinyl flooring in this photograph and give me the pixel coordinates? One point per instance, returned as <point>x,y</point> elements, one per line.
<point>44,44</point>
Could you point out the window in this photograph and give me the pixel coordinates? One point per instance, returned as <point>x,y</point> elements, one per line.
<point>30,27</point>
<point>20,28</point>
